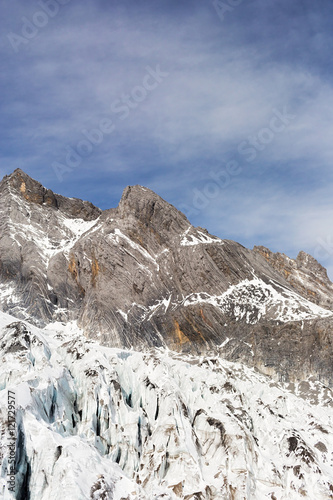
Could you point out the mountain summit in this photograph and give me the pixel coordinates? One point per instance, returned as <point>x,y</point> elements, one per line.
<point>140,275</point>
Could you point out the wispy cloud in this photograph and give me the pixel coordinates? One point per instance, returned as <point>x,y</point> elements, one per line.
<point>224,81</point>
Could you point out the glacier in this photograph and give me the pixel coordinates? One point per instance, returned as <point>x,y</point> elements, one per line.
<point>97,422</point>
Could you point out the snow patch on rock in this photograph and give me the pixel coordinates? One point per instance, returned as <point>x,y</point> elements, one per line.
<point>253,299</point>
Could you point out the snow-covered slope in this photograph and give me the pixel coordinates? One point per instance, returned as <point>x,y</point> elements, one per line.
<point>254,299</point>
<point>100,423</point>
<point>249,300</point>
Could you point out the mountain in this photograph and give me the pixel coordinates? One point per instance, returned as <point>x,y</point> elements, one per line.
<point>147,359</point>
<point>102,423</point>
<point>140,275</point>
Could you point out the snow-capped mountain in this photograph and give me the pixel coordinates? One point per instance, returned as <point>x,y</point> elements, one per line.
<point>106,423</point>
<point>141,275</point>
<point>150,359</point>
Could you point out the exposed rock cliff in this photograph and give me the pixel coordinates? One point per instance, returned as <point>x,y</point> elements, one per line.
<point>140,275</point>
<point>304,273</point>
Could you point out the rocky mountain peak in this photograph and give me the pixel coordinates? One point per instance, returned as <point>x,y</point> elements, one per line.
<point>35,193</point>
<point>305,261</point>
<point>149,209</point>
<point>30,189</point>
<point>305,274</point>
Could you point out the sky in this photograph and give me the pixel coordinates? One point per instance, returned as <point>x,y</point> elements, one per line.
<point>223,108</point>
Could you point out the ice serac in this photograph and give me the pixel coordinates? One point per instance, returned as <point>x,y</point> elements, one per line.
<point>105,423</point>
<point>140,275</point>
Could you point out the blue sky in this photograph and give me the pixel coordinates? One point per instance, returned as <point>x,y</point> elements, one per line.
<point>222,108</point>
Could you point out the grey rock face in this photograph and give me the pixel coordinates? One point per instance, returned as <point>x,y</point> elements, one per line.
<point>35,225</point>
<point>141,275</point>
<point>304,273</point>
